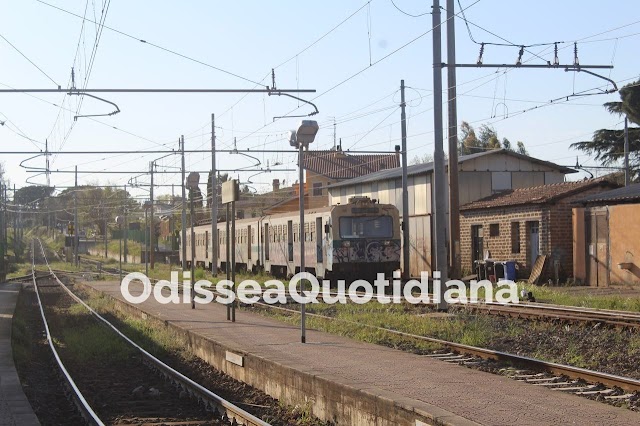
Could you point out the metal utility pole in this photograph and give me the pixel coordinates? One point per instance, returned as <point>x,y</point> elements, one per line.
<point>146,245</point>
<point>406,267</point>
<point>627,173</point>
<point>303,322</point>
<point>454,196</point>
<point>3,246</point>
<point>126,225</point>
<point>184,210</point>
<point>439,183</point>
<point>15,222</point>
<point>214,200</point>
<point>152,230</point>
<point>233,258</point>
<point>76,231</point>
<point>228,256</point>
<point>106,249</point>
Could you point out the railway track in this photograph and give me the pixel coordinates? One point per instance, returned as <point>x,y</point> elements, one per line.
<point>559,377</point>
<point>625,319</point>
<point>213,408</point>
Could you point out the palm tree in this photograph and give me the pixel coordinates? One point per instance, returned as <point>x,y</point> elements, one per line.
<point>608,145</point>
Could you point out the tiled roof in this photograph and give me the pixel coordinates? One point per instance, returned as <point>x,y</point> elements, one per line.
<point>341,165</point>
<point>542,194</point>
<point>416,169</point>
<point>621,195</point>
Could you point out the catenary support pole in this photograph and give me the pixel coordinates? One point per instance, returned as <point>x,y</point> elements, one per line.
<point>454,196</point>
<point>152,229</point>
<point>406,267</point>
<point>227,256</point>
<point>76,231</point>
<point>126,224</point>
<point>233,258</point>
<point>303,319</point>
<point>214,200</point>
<point>439,184</point>
<point>184,211</point>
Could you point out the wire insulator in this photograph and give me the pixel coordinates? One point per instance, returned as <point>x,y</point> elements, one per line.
<point>519,61</point>
<point>479,62</point>
<point>575,54</point>
<point>556,60</point>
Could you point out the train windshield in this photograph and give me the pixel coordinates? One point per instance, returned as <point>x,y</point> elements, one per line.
<point>366,227</point>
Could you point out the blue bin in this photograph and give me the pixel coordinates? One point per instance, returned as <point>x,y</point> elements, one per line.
<point>510,270</point>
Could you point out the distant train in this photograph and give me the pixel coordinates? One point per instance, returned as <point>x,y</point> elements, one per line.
<point>354,240</point>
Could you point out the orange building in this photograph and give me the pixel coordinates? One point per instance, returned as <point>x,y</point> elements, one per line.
<point>606,243</point>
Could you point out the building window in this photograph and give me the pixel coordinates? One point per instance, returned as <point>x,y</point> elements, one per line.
<point>494,230</point>
<point>317,189</point>
<point>515,237</point>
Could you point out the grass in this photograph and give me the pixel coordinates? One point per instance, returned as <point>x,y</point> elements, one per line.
<point>563,296</point>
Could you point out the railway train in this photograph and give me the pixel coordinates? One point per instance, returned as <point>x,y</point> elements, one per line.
<point>354,240</point>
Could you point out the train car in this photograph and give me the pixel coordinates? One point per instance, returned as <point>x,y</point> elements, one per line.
<point>354,240</point>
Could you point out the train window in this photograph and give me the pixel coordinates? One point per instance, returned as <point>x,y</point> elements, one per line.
<point>366,227</point>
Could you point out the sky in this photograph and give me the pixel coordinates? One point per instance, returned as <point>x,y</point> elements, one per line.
<point>353,53</point>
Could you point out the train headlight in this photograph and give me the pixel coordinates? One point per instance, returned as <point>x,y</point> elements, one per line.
<point>346,244</point>
<point>387,243</point>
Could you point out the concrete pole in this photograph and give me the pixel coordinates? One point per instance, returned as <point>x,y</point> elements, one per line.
<point>184,211</point>
<point>15,222</point>
<point>627,172</point>
<point>303,322</point>
<point>104,212</point>
<point>406,267</point>
<point>76,231</point>
<point>152,230</point>
<point>439,183</point>
<point>454,196</point>
<point>214,200</point>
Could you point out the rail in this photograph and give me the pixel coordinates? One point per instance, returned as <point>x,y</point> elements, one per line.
<point>232,412</point>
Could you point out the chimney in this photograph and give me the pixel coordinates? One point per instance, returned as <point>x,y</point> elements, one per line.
<point>276,185</point>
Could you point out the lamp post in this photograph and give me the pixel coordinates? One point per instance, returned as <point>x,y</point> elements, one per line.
<point>193,180</point>
<point>120,221</point>
<point>301,139</point>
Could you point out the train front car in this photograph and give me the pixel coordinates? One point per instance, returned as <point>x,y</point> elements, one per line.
<point>366,239</point>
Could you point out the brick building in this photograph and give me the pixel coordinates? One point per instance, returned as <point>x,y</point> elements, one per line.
<point>520,224</point>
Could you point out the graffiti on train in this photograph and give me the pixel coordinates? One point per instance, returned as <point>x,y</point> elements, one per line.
<point>367,251</point>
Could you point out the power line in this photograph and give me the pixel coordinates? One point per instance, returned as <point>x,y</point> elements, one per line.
<point>30,61</point>
<point>154,45</point>
<point>409,14</point>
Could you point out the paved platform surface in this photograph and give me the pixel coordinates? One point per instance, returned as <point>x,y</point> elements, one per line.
<point>14,406</point>
<point>484,398</point>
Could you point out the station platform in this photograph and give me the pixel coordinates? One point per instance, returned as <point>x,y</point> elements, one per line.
<point>351,382</point>
<point>14,406</point>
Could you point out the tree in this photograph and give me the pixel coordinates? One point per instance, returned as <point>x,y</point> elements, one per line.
<point>521,149</point>
<point>487,139</point>
<point>426,158</point>
<point>32,197</point>
<point>608,145</point>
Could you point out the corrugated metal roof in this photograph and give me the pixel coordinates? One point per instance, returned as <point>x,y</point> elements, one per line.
<point>621,195</point>
<point>341,165</point>
<point>417,169</point>
<point>542,194</point>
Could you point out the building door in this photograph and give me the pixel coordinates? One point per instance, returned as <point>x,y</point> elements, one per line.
<point>597,229</point>
<point>476,244</point>
<point>534,241</point>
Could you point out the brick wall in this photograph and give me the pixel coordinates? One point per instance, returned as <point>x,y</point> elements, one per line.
<point>555,233</point>
<point>500,246</point>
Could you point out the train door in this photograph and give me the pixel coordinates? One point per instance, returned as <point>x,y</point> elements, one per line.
<point>266,241</point>
<point>206,246</point>
<point>318,236</point>
<point>290,240</point>
<point>249,242</point>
